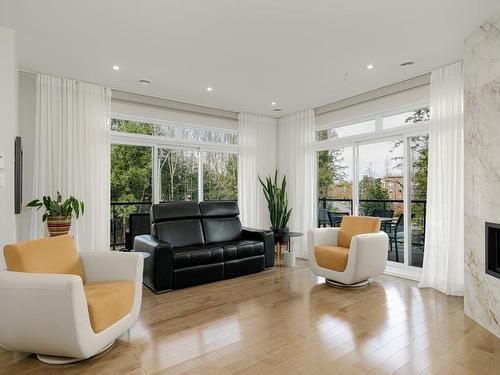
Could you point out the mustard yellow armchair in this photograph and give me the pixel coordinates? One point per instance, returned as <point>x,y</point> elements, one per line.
<point>64,305</point>
<point>348,256</point>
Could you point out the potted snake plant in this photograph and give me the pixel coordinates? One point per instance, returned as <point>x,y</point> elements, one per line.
<point>58,212</point>
<point>277,203</point>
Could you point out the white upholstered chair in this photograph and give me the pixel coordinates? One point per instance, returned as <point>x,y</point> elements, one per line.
<point>348,256</point>
<point>64,305</point>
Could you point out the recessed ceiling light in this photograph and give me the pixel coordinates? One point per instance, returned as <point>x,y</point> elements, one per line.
<point>273,103</point>
<point>145,81</point>
<point>209,89</point>
<point>407,63</point>
<point>369,67</point>
<point>116,67</point>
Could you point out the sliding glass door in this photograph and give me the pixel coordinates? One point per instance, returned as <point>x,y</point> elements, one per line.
<point>381,190</point>
<point>335,183</point>
<point>417,166</point>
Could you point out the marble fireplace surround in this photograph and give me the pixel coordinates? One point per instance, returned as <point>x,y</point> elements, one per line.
<point>482,168</point>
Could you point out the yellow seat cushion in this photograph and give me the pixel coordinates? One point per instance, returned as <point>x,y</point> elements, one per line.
<point>331,257</point>
<point>48,255</point>
<point>108,302</point>
<point>353,225</point>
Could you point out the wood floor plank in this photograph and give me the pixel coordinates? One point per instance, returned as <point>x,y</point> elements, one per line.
<point>287,321</point>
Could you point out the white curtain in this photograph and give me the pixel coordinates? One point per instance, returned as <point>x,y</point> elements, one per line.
<point>444,242</point>
<point>296,160</point>
<point>72,154</point>
<point>257,157</point>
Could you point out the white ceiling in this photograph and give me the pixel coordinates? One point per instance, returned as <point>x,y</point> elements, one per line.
<point>252,52</point>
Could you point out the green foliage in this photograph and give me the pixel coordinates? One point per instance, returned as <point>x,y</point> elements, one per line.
<point>277,201</point>
<point>70,207</point>
<point>331,171</point>
<point>371,188</point>
<point>220,176</point>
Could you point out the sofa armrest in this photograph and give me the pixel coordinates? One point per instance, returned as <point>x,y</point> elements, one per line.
<point>111,265</point>
<point>159,266</point>
<point>267,237</point>
<point>42,310</point>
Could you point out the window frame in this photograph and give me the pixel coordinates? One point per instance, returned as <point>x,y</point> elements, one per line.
<point>379,135</point>
<point>177,142</point>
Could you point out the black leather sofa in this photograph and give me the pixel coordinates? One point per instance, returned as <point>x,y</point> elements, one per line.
<point>195,243</point>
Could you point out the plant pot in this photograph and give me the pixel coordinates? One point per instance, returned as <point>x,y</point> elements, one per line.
<point>280,231</point>
<point>289,258</point>
<point>58,225</point>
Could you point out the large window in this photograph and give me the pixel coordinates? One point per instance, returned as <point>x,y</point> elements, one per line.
<point>379,170</point>
<point>167,161</point>
<point>131,186</point>
<point>178,174</point>
<point>220,176</point>
<point>381,190</point>
<point>346,130</point>
<point>335,169</point>
<point>419,147</point>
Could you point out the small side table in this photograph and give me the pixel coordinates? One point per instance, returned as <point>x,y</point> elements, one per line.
<point>283,239</point>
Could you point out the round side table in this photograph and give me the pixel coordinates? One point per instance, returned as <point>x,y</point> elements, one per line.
<point>283,239</point>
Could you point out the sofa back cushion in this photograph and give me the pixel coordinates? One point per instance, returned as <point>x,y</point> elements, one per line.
<point>219,209</point>
<point>169,211</point>
<point>57,255</point>
<point>178,223</point>
<point>220,221</point>
<point>222,229</point>
<point>353,225</point>
<point>180,232</point>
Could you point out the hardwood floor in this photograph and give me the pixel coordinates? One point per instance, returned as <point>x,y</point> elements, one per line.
<point>287,321</point>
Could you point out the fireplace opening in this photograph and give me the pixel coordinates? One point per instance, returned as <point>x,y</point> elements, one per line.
<point>492,249</point>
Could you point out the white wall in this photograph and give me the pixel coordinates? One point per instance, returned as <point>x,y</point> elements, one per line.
<point>26,113</point>
<point>8,109</point>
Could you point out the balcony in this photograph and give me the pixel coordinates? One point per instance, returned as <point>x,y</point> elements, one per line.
<point>120,214</point>
<point>331,210</point>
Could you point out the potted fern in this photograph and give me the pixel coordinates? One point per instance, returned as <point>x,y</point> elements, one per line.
<point>58,212</point>
<point>277,203</point>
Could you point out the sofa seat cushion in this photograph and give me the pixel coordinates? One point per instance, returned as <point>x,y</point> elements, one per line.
<point>108,302</point>
<point>197,255</point>
<point>57,255</point>
<point>241,249</point>
<point>331,257</point>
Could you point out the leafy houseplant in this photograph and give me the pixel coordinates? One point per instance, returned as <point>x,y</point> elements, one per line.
<point>277,202</point>
<point>58,213</point>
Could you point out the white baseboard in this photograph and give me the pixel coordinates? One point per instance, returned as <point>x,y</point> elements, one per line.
<point>405,273</point>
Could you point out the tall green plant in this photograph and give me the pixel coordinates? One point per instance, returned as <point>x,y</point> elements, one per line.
<point>70,207</point>
<point>277,201</point>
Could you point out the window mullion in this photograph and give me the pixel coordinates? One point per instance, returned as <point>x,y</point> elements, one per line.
<point>200,176</point>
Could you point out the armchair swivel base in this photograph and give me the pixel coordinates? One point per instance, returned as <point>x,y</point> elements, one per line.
<point>337,284</point>
<point>57,360</point>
